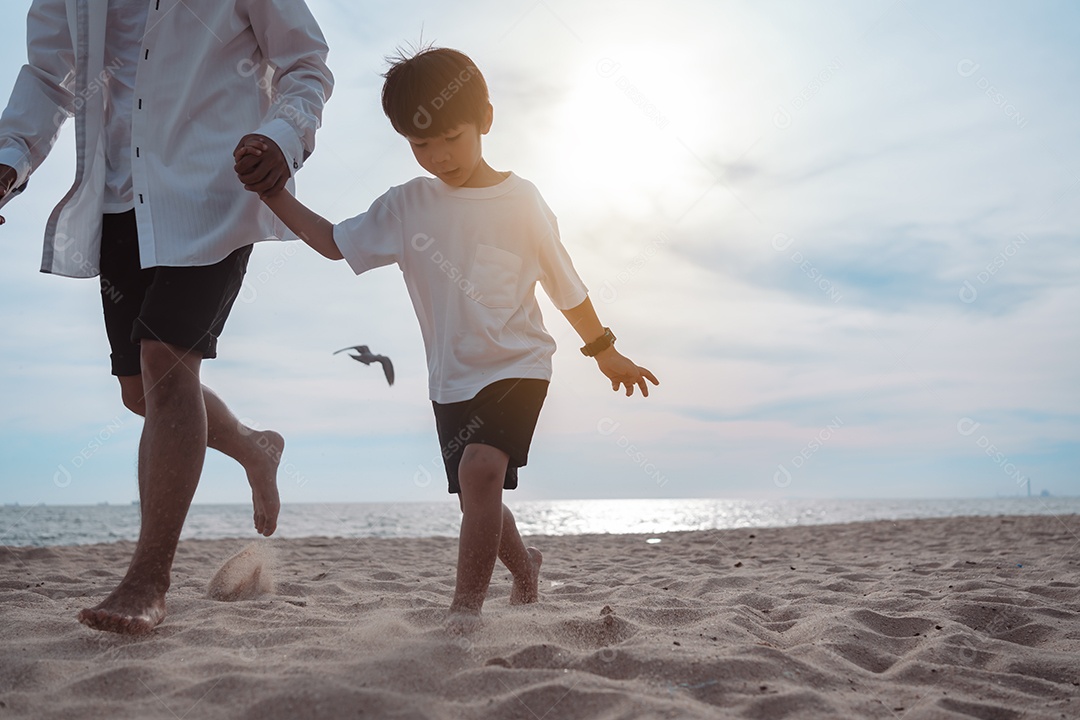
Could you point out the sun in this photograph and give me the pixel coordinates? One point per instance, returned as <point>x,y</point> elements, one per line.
<point>627,136</point>
<point>611,141</point>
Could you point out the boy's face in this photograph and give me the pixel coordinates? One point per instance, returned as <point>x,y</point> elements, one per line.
<point>455,157</point>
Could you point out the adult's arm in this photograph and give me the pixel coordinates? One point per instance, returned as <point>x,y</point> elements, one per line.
<point>293,45</point>
<point>42,99</point>
<point>7,184</point>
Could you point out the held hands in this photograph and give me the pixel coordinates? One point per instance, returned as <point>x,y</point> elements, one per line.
<point>260,165</point>
<point>8,178</point>
<point>622,371</point>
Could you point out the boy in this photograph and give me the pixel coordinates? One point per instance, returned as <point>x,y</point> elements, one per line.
<point>472,244</point>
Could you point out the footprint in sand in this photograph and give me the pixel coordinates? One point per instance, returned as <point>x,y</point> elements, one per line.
<point>244,576</point>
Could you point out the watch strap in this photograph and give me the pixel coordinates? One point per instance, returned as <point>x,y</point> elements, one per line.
<point>600,344</point>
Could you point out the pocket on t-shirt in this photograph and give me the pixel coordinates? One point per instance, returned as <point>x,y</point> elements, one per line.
<point>494,275</point>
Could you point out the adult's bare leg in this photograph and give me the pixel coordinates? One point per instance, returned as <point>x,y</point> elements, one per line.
<point>171,453</point>
<point>258,451</point>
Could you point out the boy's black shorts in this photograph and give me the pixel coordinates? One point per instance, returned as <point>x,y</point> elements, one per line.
<point>182,306</point>
<point>502,415</point>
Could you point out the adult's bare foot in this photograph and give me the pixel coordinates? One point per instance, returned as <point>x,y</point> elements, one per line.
<point>129,611</point>
<point>262,476</point>
<point>527,589</point>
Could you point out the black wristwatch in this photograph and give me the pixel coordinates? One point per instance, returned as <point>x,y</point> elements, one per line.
<point>599,344</point>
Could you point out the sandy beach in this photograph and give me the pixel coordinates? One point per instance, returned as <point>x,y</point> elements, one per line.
<point>956,618</point>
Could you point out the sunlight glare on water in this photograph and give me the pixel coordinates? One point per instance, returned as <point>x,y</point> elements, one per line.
<point>40,525</point>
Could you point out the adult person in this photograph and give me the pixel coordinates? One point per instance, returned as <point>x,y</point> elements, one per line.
<point>162,91</point>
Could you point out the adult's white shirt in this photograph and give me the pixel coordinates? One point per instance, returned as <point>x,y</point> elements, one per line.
<point>471,258</point>
<point>210,72</point>
<point>123,41</point>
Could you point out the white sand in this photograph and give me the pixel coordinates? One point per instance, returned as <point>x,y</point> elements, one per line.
<point>959,618</point>
<point>247,575</point>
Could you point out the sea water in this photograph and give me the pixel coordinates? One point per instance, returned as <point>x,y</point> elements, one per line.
<point>40,525</point>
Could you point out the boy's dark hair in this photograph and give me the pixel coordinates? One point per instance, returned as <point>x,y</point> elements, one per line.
<point>433,91</point>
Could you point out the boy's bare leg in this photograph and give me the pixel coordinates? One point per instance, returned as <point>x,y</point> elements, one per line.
<point>480,475</point>
<point>258,451</point>
<point>522,562</point>
<point>171,453</point>
<point>488,531</point>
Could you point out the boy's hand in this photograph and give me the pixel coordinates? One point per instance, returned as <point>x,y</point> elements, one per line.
<point>260,165</point>
<point>622,371</point>
<point>8,178</point>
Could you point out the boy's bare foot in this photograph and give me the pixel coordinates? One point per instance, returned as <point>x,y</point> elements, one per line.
<point>527,589</point>
<point>463,622</point>
<point>129,611</point>
<point>262,476</point>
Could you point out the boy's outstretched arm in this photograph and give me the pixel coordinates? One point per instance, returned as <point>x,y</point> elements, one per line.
<point>617,367</point>
<point>312,228</point>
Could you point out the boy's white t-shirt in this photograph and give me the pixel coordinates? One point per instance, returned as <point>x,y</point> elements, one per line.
<point>471,258</point>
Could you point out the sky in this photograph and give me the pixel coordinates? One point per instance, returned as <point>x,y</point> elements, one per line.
<point>842,234</point>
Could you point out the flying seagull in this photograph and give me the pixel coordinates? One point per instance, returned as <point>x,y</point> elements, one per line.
<point>364,355</point>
